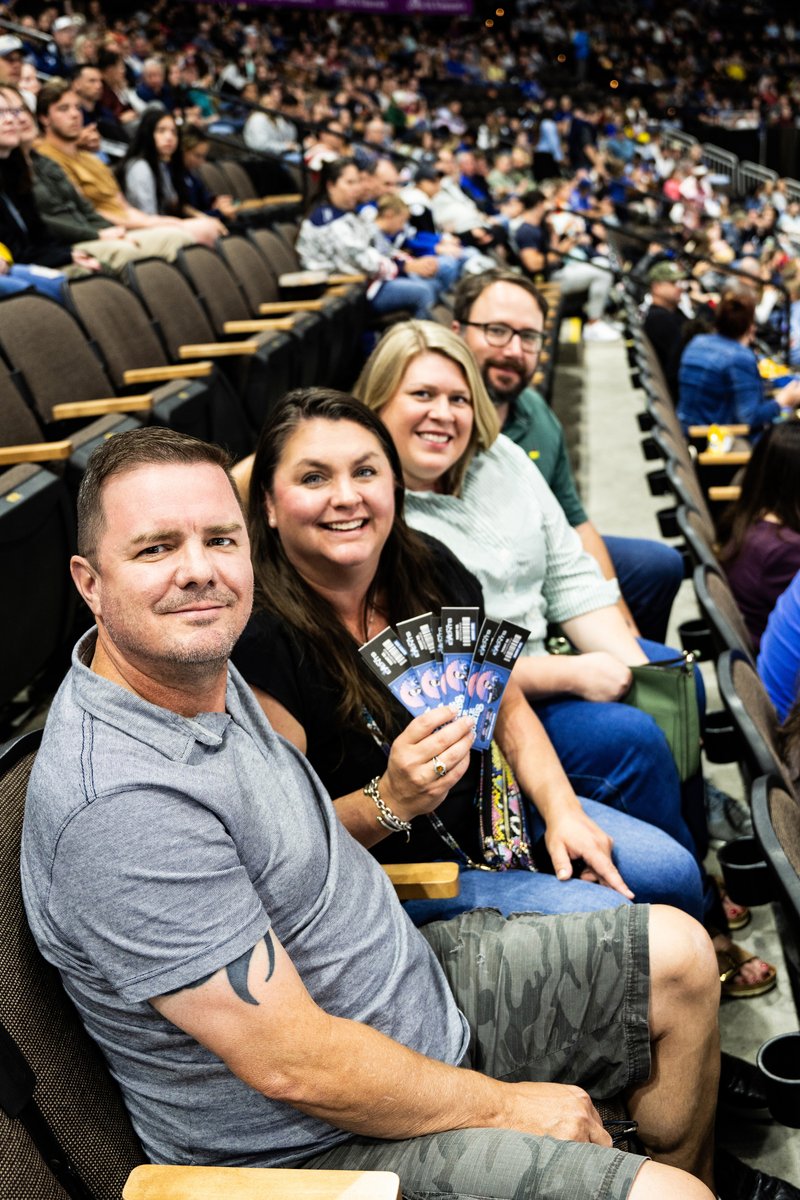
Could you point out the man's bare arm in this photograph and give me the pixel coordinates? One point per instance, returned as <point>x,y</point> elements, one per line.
<point>256,1015</point>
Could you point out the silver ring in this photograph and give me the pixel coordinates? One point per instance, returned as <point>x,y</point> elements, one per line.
<point>438,766</point>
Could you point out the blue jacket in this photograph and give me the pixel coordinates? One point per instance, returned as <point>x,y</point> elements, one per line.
<point>719,383</point>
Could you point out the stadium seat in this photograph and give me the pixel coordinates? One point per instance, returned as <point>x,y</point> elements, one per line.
<point>776,820</point>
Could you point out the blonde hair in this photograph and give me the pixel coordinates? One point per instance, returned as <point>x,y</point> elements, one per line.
<point>383,373</point>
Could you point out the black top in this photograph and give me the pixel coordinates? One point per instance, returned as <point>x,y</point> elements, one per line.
<point>664,327</point>
<point>276,659</point>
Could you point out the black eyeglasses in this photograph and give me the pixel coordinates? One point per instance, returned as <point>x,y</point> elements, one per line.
<point>500,335</point>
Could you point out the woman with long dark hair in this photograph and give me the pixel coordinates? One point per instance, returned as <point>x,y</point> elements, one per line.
<point>153,177</point>
<point>761,530</point>
<point>335,564</point>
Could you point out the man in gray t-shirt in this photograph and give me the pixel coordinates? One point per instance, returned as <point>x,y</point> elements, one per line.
<point>241,959</point>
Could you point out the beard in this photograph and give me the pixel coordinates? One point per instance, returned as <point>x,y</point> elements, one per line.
<point>505,394</point>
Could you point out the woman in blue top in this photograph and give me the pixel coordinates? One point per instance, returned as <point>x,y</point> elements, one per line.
<point>718,378</point>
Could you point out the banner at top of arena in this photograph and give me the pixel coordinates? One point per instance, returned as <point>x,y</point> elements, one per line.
<point>433,8</point>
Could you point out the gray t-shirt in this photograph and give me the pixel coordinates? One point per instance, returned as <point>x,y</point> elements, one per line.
<point>156,849</point>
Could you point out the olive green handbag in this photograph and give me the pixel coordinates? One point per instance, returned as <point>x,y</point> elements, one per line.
<point>667,691</point>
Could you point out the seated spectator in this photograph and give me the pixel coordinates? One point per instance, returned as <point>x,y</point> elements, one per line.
<point>57,56</point>
<point>543,251</point>
<point>761,531</point>
<point>153,175</point>
<point>664,321</point>
<point>295,653</point>
<point>270,132</point>
<point>115,95</point>
<point>60,118</point>
<point>473,181</point>
<point>718,378</point>
<point>68,217</point>
<point>501,317</point>
<point>29,85</point>
<point>478,493</point>
<point>11,60</point>
<point>98,121</point>
<point>28,257</point>
<point>456,212</point>
<point>446,261</point>
<point>379,177</point>
<point>242,959</point>
<point>334,238</point>
<point>195,146</point>
<point>779,654</point>
<point>329,145</point>
<point>152,87</point>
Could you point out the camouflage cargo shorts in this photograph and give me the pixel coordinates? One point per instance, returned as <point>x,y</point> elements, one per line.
<point>560,999</point>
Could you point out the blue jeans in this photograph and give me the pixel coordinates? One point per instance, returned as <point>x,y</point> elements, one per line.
<point>649,575</point>
<point>655,868</point>
<point>415,293</point>
<point>20,277</point>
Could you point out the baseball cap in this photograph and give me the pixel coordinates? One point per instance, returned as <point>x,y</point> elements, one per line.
<point>9,44</point>
<point>63,23</point>
<point>665,272</point>
<point>431,174</point>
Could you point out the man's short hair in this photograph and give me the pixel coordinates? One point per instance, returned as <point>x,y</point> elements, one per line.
<point>533,198</point>
<point>51,93</point>
<point>735,312</point>
<point>470,287</point>
<point>152,445</point>
<point>392,204</point>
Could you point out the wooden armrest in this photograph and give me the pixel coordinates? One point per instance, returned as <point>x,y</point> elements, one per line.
<point>338,277</point>
<point>700,431</point>
<point>266,201</point>
<point>289,306</point>
<point>217,349</point>
<point>733,458</point>
<point>196,370</point>
<point>35,452</point>
<point>730,491</point>
<point>150,1182</point>
<point>255,326</point>
<point>423,881</point>
<point>99,408</point>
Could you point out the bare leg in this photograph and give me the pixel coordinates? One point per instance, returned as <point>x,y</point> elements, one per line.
<point>657,1182</point>
<point>675,1108</point>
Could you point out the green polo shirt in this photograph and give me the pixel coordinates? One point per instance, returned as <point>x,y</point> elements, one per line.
<point>533,426</point>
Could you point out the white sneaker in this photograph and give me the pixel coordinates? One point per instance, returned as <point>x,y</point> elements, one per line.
<point>600,331</point>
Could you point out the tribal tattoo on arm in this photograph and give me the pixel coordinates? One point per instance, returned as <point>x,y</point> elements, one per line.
<point>237,972</point>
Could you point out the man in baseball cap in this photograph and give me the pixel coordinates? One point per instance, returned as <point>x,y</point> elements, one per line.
<point>11,53</point>
<point>664,321</point>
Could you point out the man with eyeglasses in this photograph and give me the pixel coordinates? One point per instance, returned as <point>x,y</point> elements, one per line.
<point>501,315</point>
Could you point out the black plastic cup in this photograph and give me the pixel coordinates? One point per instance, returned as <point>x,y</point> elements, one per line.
<point>779,1063</point>
<point>745,871</point>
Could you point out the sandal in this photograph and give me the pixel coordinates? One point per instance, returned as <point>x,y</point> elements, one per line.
<point>737,915</point>
<point>730,961</point>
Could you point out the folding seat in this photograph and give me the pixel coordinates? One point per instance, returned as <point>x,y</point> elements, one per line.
<point>344,304</point>
<point>259,285</point>
<point>719,607</point>
<point>122,334</point>
<point>67,385</point>
<point>243,189</point>
<point>22,437</point>
<point>753,716</point>
<point>229,313</point>
<point>37,600</point>
<point>776,820</point>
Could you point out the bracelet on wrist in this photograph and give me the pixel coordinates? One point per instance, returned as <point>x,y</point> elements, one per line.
<point>385,817</point>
